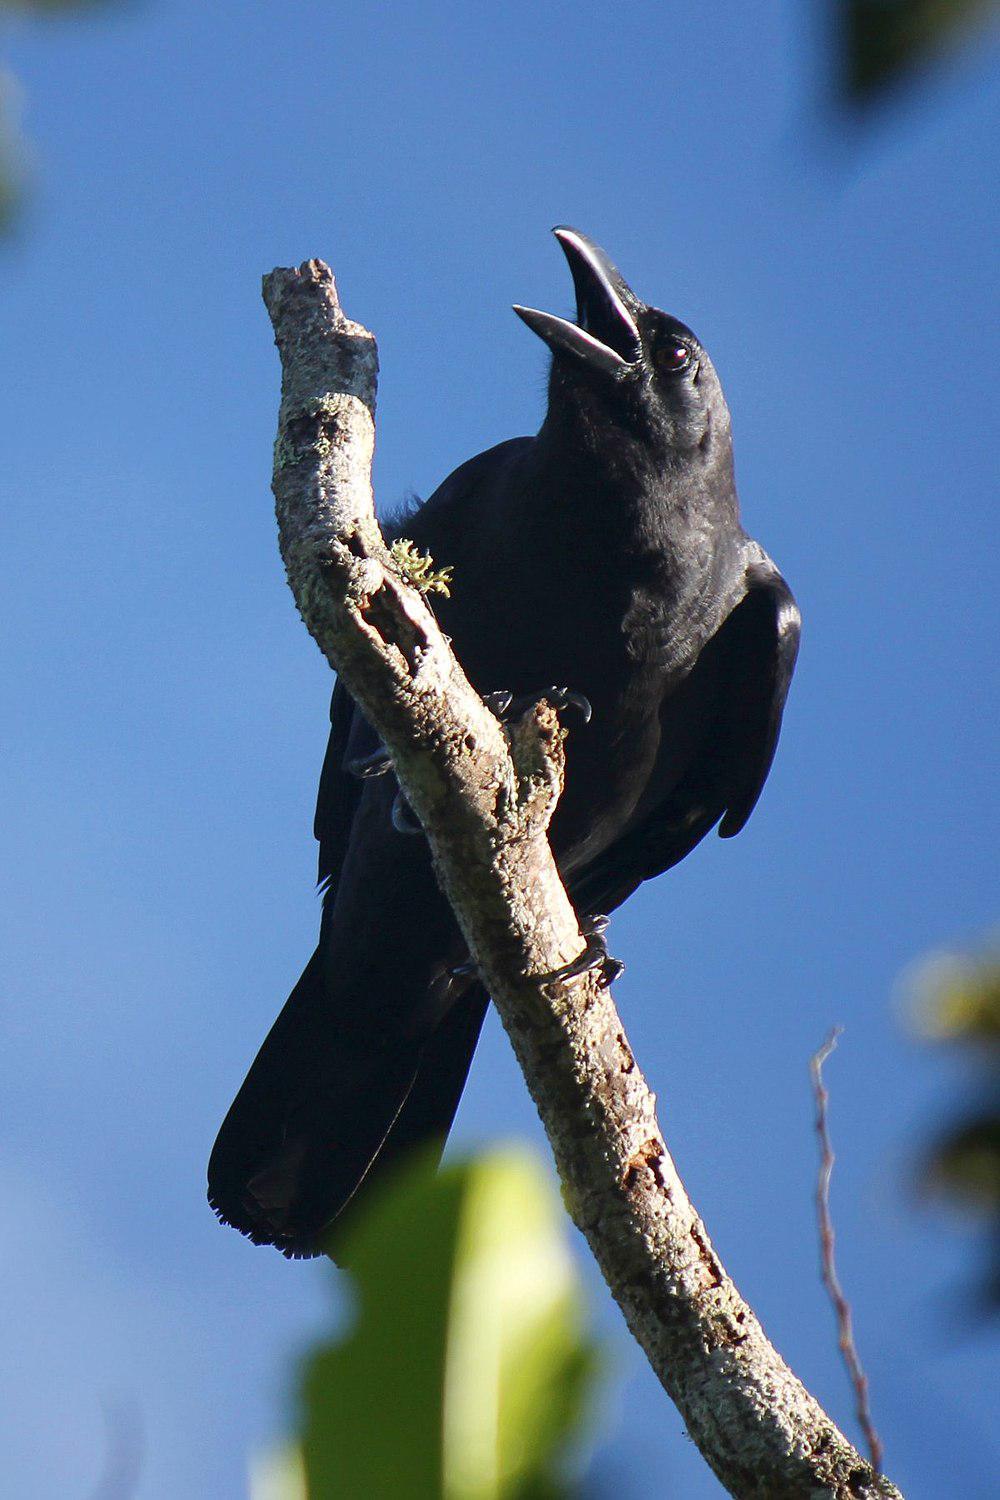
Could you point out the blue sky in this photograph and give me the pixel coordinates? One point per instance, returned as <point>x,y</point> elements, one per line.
<point>165,711</point>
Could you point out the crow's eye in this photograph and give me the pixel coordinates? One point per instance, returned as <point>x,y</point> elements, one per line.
<point>673,357</point>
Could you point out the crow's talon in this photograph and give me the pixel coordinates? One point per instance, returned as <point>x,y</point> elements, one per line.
<point>612,969</point>
<point>403,819</point>
<point>464,970</point>
<point>375,763</point>
<point>505,706</point>
<point>562,698</point>
<point>499,703</point>
<point>595,955</point>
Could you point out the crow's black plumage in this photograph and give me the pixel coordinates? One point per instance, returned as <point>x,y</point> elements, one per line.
<point>605,554</point>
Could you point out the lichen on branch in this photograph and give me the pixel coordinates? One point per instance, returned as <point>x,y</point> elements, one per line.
<point>418,569</point>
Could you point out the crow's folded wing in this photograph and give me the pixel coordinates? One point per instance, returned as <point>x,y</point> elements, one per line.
<point>765,629</point>
<point>339,792</point>
<point>736,692</point>
<point>351,736</point>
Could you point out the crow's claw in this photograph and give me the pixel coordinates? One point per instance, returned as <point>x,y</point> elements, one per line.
<point>595,955</point>
<point>562,698</point>
<point>506,706</point>
<point>499,703</point>
<point>464,971</point>
<point>613,969</point>
<point>403,819</point>
<point>375,763</point>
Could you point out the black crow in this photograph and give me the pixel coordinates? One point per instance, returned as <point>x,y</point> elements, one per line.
<point>605,556</point>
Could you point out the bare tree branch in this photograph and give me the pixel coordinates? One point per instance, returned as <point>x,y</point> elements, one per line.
<point>827,1241</point>
<point>485,797</point>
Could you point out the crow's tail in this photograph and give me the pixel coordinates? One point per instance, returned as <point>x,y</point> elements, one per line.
<point>322,1112</point>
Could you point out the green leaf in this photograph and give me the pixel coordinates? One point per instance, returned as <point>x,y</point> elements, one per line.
<point>467,1373</point>
<point>518,1371</point>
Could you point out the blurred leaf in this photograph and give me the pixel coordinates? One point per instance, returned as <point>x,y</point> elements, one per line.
<point>11,147</point>
<point>956,998</point>
<point>518,1370</point>
<point>279,1475</point>
<point>467,1372</point>
<point>882,40</point>
<point>966,1163</point>
<point>373,1402</point>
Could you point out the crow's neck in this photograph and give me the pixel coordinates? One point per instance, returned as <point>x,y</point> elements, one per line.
<point>648,494</point>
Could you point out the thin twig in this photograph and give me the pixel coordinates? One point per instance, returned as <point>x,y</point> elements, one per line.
<point>827,1240</point>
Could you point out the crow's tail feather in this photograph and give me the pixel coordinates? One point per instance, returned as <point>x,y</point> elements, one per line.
<point>321,1111</point>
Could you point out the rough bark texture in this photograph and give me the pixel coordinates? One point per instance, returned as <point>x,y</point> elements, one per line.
<point>485,797</point>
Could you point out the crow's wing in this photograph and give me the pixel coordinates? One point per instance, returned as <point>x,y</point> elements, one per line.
<point>765,629</point>
<point>737,691</point>
<point>351,736</point>
<point>339,792</point>
<point>473,483</point>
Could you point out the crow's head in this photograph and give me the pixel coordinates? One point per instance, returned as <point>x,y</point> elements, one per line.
<point>629,370</point>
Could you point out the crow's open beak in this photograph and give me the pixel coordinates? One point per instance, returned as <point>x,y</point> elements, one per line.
<point>605,335</point>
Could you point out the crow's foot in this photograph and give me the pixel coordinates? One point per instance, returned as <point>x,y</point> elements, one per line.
<point>375,763</point>
<point>595,955</point>
<point>506,706</point>
<point>563,698</point>
<point>403,818</point>
<point>499,703</point>
<point>464,970</point>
